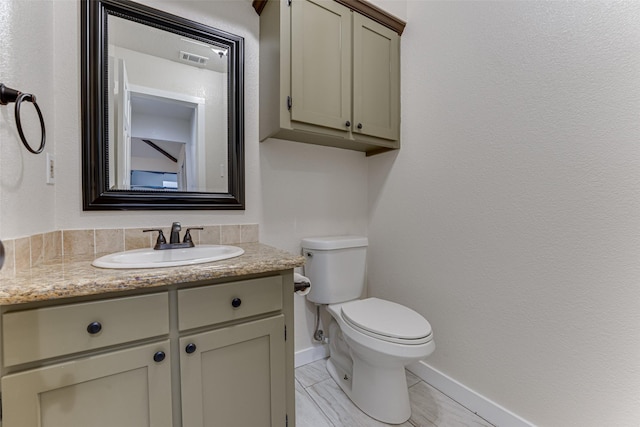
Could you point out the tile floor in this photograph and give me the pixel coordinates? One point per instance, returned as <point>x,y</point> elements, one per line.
<point>321,403</point>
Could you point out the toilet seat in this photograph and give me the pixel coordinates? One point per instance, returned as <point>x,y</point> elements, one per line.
<point>387,321</point>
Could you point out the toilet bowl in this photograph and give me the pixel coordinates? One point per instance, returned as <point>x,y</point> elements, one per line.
<point>370,340</point>
<point>368,358</point>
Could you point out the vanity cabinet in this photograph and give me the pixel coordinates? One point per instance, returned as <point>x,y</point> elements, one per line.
<point>127,386</point>
<point>213,354</point>
<point>124,388</point>
<point>233,375</point>
<point>328,75</point>
<point>249,360</point>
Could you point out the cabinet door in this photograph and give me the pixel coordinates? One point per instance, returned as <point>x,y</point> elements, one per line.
<point>376,79</point>
<point>234,376</point>
<point>125,388</point>
<point>321,63</point>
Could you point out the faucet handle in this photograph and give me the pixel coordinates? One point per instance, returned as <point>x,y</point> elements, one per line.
<point>161,239</point>
<point>187,234</point>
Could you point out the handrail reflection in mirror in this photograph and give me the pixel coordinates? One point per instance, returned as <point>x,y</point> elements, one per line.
<point>8,95</point>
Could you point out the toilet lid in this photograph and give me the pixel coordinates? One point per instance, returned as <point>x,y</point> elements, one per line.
<point>386,319</point>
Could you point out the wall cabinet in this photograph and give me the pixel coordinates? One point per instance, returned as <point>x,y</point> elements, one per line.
<point>328,75</point>
<point>212,355</point>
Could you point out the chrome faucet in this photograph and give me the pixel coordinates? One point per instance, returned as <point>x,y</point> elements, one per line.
<point>174,237</point>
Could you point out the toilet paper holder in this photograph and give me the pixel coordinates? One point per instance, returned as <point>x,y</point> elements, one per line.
<point>301,284</point>
<point>301,287</point>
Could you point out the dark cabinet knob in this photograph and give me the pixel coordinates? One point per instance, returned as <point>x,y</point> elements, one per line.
<point>348,124</point>
<point>159,356</point>
<point>94,328</point>
<point>236,302</point>
<point>359,125</point>
<point>190,348</point>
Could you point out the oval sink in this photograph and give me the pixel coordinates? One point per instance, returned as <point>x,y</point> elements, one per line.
<point>151,258</point>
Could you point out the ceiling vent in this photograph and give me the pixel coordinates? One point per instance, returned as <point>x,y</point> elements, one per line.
<point>193,58</point>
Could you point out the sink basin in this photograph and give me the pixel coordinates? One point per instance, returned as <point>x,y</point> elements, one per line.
<point>151,258</point>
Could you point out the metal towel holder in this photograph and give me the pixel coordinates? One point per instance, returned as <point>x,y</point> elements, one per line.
<point>8,95</point>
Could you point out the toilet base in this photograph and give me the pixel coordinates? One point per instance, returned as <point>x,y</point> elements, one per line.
<point>379,391</point>
<point>383,396</point>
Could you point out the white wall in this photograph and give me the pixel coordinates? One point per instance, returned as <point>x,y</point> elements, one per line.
<point>26,61</point>
<point>292,190</point>
<point>308,191</point>
<point>510,216</point>
<point>51,49</point>
<point>235,16</point>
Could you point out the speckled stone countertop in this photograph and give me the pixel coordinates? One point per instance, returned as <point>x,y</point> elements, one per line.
<point>75,276</point>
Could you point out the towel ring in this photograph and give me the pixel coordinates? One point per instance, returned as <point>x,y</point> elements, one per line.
<point>8,95</point>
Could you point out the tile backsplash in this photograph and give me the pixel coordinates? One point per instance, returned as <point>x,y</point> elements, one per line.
<point>26,252</point>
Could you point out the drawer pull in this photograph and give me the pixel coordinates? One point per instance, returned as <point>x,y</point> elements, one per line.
<point>236,302</point>
<point>94,328</point>
<point>159,356</point>
<point>190,348</point>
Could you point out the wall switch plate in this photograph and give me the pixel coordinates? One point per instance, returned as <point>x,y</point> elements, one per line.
<point>51,169</point>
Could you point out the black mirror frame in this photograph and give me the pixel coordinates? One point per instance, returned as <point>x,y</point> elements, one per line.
<point>94,62</point>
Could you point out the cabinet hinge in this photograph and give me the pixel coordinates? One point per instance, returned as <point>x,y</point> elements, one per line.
<point>289,103</point>
<point>285,332</point>
<point>286,420</point>
<point>289,3</point>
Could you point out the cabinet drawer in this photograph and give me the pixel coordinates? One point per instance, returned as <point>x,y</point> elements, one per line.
<point>215,304</point>
<point>43,333</point>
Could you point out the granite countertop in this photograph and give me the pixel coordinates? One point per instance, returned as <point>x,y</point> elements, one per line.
<point>75,276</point>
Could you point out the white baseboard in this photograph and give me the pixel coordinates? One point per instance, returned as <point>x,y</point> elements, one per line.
<point>311,354</point>
<point>468,398</point>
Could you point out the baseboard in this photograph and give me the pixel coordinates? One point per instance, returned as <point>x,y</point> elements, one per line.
<point>311,354</point>
<point>490,411</point>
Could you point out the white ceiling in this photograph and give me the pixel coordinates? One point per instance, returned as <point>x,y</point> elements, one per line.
<point>163,44</point>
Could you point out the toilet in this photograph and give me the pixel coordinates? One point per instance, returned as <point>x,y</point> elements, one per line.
<point>370,340</point>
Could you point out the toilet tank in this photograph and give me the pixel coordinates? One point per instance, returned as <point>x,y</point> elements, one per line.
<point>336,267</point>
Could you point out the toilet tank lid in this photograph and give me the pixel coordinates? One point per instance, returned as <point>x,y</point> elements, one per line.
<point>334,242</point>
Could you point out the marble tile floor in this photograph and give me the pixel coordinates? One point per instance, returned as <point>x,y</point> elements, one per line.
<point>321,403</point>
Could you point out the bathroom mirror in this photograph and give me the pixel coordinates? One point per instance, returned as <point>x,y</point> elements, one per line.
<point>162,110</point>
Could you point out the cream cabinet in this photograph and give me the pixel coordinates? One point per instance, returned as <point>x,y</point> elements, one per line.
<point>207,355</point>
<point>328,75</point>
<point>249,360</point>
<point>124,388</point>
<point>247,357</point>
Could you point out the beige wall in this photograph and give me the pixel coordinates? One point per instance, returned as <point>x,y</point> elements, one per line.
<point>510,216</point>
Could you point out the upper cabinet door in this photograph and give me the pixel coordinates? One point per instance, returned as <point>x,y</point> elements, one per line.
<point>321,63</point>
<point>376,79</point>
